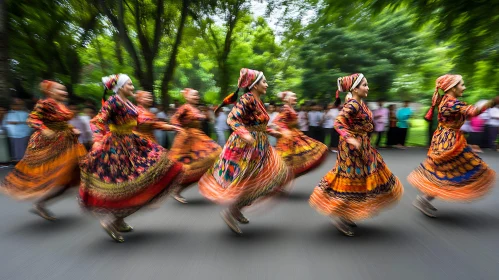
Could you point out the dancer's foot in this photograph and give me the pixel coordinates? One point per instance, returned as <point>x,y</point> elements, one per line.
<point>420,204</point>
<point>42,212</point>
<point>350,223</point>
<point>122,226</point>
<point>179,198</point>
<point>112,232</point>
<point>240,217</point>
<point>343,227</point>
<point>428,203</point>
<point>231,222</point>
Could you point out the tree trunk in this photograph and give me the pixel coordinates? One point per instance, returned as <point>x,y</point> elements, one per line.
<point>172,63</point>
<point>4,62</point>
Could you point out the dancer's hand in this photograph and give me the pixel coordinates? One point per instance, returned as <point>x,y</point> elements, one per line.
<point>48,133</point>
<point>96,145</point>
<point>286,134</point>
<point>354,142</point>
<point>248,138</point>
<point>76,131</point>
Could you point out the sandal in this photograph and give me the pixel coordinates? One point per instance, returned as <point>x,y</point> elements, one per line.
<point>42,212</point>
<point>111,231</point>
<point>229,220</point>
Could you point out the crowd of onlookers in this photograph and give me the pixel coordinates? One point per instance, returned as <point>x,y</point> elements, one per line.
<point>391,124</point>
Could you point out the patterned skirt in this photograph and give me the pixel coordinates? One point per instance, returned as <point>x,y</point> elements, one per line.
<point>246,173</point>
<point>126,173</point>
<point>47,163</point>
<point>196,151</point>
<point>359,186</point>
<point>300,152</point>
<point>452,171</point>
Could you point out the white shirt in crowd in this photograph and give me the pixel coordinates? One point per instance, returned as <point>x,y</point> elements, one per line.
<point>330,117</point>
<point>302,121</point>
<point>492,116</point>
<point>314,118</point>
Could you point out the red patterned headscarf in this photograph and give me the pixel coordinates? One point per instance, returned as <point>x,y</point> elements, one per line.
<point>248,78</point>
<point>444,83</point>
<point>46,85</point>
<point>347,84</point>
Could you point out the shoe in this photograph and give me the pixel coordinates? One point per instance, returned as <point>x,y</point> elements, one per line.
<point>428,203</point>
<point>42,212</point>
<point>231,222</point>
<point>343,228</point>
<point>349,222</point>
<point>421,206</point>
<point>122,226</point>
<point>112,232</point>
<point>180,198</point>
<point>240,218</point>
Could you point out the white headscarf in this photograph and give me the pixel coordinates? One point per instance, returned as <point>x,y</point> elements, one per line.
<point>115,82</point>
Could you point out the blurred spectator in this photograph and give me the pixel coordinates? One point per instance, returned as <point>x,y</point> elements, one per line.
<point>380,117</point>
<point>391,136</point>
<point>491,117</point>
<point>4,142</point>
<point>158,133</point>
<point>271,110</point>
<point>303,120</point>
<point>81,122</point>
<point>221,127</point>
<point>330,117</point>
<point>477,125</point>
<point>403,116</point>
<point>315,119</point>
<point>18,130</point>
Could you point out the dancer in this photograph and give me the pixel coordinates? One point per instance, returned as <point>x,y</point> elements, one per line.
<point>451,171</point>
<point>50,164</point>
<point>300,152</point>
<point>248,169</point>
<point>147,121</point>
<point>360,184</point>
<point>193,148</point>
<point>123,172</point>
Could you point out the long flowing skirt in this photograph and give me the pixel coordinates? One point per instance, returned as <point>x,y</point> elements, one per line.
<point>359,185</point>
<point>451,170</point>
<point>196,151</point>
<point>300,152</point>
<point>47,163</point>
<point>245,173</point>
<point>126,173</point>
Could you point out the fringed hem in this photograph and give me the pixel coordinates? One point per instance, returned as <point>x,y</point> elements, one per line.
<point>95,199</point>
<point>248,191</point>
<point>472,189</point>
<point>354,209</point>
<point>32,179</point>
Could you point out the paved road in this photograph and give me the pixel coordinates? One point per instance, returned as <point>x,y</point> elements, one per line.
<point>288,241</point>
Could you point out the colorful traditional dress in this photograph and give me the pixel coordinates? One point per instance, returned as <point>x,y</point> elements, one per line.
<point>126,171</point>
<point>300,152</point>
<point>147,123</point>
<point>194,149</point>
<point>452,171</point>
<point>48,162</point>
<point>360,184</point>
<point>245,173</point>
